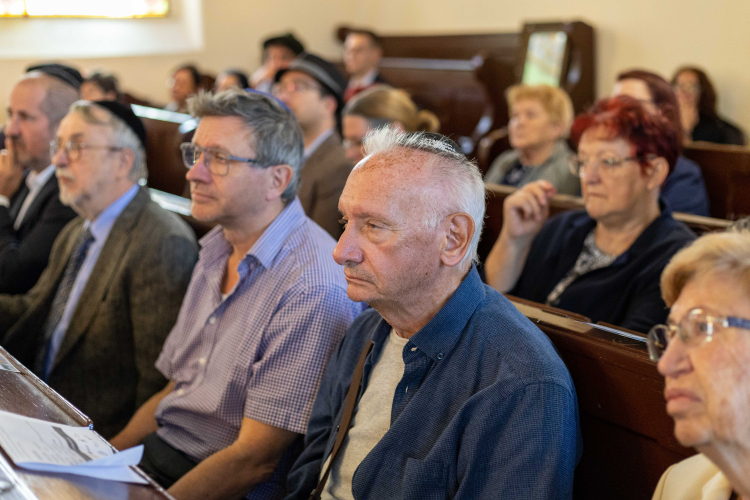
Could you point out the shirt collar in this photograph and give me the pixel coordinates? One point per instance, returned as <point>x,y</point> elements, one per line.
<point>102,225</point>
<point>35,180</point>
<point>365,81</point>
<point>437,338</point>
<point>309,150</point>
<point>214,245</point>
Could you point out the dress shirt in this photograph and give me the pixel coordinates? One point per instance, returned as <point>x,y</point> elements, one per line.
<point>35,181</point>
<point>626,292</point>
<point>365,81</point>
<point>506,427</point>
<point>260,352</point>
<point>100,228</point>
<point>309,150</point>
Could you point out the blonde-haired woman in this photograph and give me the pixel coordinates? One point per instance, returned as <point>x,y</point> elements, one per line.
<point>540,119</point>
<point>376,107</point>
<point>704,354</point>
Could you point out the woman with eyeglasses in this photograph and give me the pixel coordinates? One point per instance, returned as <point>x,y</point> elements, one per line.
<point>704,354</point>
<point>605,261</point>
<point>697,100</point>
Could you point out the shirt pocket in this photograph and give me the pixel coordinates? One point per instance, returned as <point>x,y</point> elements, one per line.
<point>424,480</point>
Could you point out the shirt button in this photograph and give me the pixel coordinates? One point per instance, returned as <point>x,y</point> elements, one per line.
<point>413,349</point>
<point>212,320</point>
<point>202,361</point>
<point>440,355</point>
<point>180,392</point>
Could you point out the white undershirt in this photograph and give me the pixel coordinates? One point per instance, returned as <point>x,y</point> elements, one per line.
<point>371,420</point>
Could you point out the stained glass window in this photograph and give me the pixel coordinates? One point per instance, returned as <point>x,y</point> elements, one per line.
<point>84,8</point>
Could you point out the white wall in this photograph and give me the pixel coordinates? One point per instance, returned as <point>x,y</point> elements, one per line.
<point>655,34</point>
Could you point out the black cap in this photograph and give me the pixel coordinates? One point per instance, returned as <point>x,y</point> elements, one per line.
<point>287,40</point>
<point>324,73</point>
<point>64,73</point>
<point>125,113</point>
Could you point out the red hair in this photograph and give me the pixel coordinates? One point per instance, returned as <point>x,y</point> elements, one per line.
<point>625,118</point>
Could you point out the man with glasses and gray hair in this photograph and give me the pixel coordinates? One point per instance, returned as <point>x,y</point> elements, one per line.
<point>94,324</point>
<point>266,307</point>
<point>455,393</point>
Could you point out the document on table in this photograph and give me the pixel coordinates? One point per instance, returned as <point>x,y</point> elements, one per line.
<point>45,446</point>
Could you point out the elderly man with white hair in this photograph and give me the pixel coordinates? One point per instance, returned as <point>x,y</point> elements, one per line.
<point>442,389</point>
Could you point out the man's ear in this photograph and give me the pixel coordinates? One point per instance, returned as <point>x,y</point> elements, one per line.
<point>127,157</point>
<point>459,229</point>
<point>657,171</point>
<point>281,177</point>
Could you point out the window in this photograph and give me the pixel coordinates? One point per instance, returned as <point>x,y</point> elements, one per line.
<point>84,8</point>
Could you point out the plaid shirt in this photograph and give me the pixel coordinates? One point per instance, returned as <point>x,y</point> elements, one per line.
<point>259,353</point>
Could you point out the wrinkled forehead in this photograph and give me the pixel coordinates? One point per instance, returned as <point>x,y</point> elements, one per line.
<point>75,125</point>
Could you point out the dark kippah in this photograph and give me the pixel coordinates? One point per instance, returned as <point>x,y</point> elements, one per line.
<point>125,113</point>
<point>64,73</point>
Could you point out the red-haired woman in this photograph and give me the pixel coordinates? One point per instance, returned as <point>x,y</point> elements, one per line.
<point>603,262</point>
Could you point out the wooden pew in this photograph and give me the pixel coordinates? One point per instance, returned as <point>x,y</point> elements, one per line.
<point>180,206</point>
<point>493,221</point>
<point>25,394</point>
<point>165,131</point>
<point>628,439</point>
<point>726,172</point>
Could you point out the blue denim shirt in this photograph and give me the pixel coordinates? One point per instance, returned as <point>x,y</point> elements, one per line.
<point>490,410</point>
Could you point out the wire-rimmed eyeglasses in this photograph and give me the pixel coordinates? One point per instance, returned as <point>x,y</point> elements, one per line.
<point>216,161</point>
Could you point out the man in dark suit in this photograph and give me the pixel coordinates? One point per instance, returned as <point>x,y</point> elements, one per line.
<point>31,214</point>
<point>95,322</point>
<point>362,53</point>
<point>313,89</point>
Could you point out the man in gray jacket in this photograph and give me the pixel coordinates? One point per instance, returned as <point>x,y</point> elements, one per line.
<point>95,322</point>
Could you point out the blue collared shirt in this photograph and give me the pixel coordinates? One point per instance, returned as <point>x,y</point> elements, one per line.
<point>100,228</point>
<point>485,409</point>
<point>260,352</point>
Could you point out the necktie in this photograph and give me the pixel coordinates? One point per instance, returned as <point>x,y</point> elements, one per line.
<point>352,91</point>
<point>45,356</point>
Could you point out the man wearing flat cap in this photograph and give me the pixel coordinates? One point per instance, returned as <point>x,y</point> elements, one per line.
<point>31,214</point>
<point>94,324</point>
<point>313,89</point>
<point>278,52</point>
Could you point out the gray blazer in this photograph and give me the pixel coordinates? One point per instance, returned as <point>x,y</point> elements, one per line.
<point>105,364</point>
<point>555,170</point>
<point>322,180</point>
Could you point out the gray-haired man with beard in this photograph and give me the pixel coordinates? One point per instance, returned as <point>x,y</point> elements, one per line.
<point>95,322</point>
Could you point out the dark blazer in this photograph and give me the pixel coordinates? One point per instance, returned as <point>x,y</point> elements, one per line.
<point>24,253</point>
<point>105,365</point>
<point>322,180</point>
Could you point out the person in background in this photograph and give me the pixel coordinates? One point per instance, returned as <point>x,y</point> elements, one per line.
<point>183,84</point>
<point>31,213</point>
<point>312,88</point>
<point>363,50</point>
<point>697,99</point>
<point>278,52</point>
<point>376,107</point>
<point>604,262</point>
<point>100,87</point>
<point>231,78</point>
<point>94,324</point>
<point>540,118</point>
<point>462,397</point>
<point>703,352</point>
<point>684,189</point>
<point>264,312</point>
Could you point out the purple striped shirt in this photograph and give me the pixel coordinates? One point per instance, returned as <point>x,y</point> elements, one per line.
<point>259,353</point>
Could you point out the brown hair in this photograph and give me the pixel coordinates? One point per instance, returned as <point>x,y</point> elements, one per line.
<point>707,99</point>
<point>381,105</point>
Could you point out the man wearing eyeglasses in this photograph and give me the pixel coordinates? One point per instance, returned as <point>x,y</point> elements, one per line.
<point>31,214</point>
<point>313,89</point>
<point>93,325</point>
<point>264,312</point>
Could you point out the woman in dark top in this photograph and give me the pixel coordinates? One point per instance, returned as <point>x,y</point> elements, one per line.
<point>697,99</point>
<point>603,262</point>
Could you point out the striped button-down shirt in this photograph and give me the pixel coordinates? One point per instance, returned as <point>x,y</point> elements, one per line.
<point>260,352</point>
